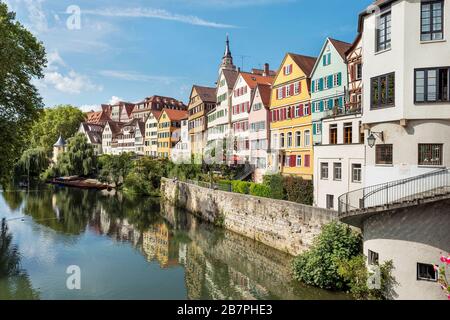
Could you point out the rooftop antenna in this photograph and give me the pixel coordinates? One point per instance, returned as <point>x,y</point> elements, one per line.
<point>242,60</point>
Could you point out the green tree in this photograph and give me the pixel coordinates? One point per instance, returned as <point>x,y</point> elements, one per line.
<point>62,119</point>
<point>32,163</point>
<point>298,190</point>
<point>78,159</point>
<point>319,265</point>
<point>275,183</point>
<point>115,168</point>
<point>22,59</point>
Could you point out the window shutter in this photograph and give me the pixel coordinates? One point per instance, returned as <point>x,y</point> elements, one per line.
<point>284,92</point>
<point>284,70</point>
<point>321,106</point>
<point>301,111</point>
<point>292,161</point>
<point>341,101</point>
<point>320,84</point>
<point>313,86</point>
<point>352,71</point>
<point>292,89</point>
<point>314,129</point>
<point>330,104</point>
<point>330,82</point>
<point>324,59</point>
<point>339,78</point>
<point>299,87</point>
<point>307,160</point>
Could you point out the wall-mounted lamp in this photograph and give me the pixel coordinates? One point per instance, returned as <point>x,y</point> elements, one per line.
<point>373,138</point>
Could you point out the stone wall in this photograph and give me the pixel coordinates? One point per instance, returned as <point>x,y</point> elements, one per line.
<point>283,225</point>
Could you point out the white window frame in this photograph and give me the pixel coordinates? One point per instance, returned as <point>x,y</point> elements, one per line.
<point>307,142</point>
<point>297,162</point>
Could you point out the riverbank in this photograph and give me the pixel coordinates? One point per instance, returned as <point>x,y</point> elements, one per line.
<point>286,226</point>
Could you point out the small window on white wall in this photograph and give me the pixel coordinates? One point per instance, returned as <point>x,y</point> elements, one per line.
<point>426,272</point>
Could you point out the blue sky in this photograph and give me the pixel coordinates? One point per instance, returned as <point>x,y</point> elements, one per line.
<point>134,49</point>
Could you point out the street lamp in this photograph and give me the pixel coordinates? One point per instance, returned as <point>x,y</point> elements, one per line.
<point>372,138</point>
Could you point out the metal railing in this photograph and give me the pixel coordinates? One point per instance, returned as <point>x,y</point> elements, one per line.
<point>246,171</point>
<point>405,191</point>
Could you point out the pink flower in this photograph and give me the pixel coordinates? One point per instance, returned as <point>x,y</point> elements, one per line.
<point>443,259</point>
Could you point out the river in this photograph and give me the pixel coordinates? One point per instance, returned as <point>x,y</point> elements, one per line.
<point>132,248</point>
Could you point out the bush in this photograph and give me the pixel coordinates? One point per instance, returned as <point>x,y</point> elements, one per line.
<point>355,273</point>
<point>259,190</point>
<point>275,184</point>
<point>298,190</point>
<point>240,186</point>
<point>319,266</point>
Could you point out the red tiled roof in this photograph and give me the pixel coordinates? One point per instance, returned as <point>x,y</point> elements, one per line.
<point>176,114</point>
<point>305,63</point>
<point>206,94</point>
<point>341,46</point>
<point>254,79</point>
<point>265,91</point>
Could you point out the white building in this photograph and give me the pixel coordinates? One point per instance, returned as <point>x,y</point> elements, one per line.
<point>406,113</point>
<point>406,88</point>
<point>93,134</point>
<point>110,131</point>
<point>151,134</point>
<point>241,100</point>
<point>181,153</point>
<point>125,141</point>
<point>339,160</point>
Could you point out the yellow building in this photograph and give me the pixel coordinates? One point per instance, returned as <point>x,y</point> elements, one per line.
<point>290,117</point>
<point>169,126</point>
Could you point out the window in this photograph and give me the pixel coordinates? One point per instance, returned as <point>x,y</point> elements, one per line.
<point>297,88</point>
<point>356,172</point>
<point>288,70</point>
<point>384,32</point>
<point>337,171</point>
<point>373,258</point>
<point>359,71</point>
<point>361,133</point>
<point>336,79</point>
<point>330,201</point>
<point>324,170</point>
<point>426,272</point>
<point>432,85</point>
<point>348,132</point>
<point>298,139</point>
<point>431,27</point>
<point>430,154</point>
<point>280,93</point>
<point>383,91</point>
<point>316,85</point>
<point>257,106</point>
<point>307,138</point>
<point>326,83</point>
<point>297,111</point>
<point>282,140</point>
<point>288,91</point>
<point>383,154</point>
<point>287,161</point>
<point>289,139</point>
<point>327,59</point>
<point>333,134</point>
<point>299,161</point>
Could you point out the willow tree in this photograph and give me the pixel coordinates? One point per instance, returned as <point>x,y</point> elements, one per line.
<point>23,60</point>
<point>32,162</point>
<point>79,158</point>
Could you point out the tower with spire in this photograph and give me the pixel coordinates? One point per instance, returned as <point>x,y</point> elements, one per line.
<point>58,148</point>
<point>227,60</point>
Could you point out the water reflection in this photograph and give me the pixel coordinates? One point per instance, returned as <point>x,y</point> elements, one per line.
<point>14,282</point>
<point>215,264</point>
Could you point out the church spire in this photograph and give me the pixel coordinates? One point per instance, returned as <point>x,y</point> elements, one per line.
<point>227,60</point>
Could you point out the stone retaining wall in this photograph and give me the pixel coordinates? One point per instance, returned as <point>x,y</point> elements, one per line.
<point>283,225</point>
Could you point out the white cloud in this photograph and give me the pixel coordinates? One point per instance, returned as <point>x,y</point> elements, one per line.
<point>72,82</point>
<point>90,107</point>
<point>115,100</point>
<point>156,14</point>
<point>134,76</point>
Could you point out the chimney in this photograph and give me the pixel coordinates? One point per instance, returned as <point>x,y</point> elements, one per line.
<point>266,70</point>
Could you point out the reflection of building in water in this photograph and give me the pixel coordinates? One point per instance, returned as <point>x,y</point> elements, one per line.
<point>105,221</point>
<point>55,207</point>
<point>182,253</point>
<point>248,289</point>
<point>156,243</point>
<point>194,272</point>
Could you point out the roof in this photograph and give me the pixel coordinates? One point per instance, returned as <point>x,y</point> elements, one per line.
<point>207,94</point>
<point>141,125</point>
<point>254,79</point>
<point>176,115</point>
<point>306,63</point>
<point>354,44</point>
<point>93,132</point>
<point>230,77</point>
<point>61,142</point>
<point>340,46</point>
<point>166,101</point>
<point>265,91</point>
<point>97,117</point>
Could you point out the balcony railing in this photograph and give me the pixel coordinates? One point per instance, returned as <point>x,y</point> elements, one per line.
<point>405,191</point>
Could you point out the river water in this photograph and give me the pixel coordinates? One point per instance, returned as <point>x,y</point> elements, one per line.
<point>132,248</point>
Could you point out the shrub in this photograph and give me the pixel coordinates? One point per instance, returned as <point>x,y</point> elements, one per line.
<point>319,266</point>
<point>355,273</point>
<point>259,190</point>
<point>240,186</point>
<point>298,190</point>
<point>275,184</point>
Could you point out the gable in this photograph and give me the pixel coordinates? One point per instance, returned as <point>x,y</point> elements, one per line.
<point>296,73</point>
